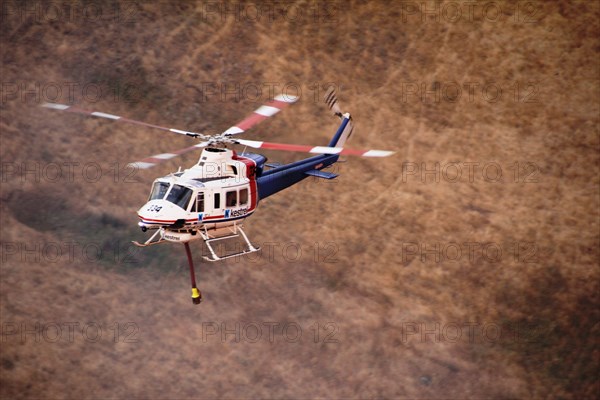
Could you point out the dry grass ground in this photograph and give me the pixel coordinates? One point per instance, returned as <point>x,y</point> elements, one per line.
<point>528,316</point>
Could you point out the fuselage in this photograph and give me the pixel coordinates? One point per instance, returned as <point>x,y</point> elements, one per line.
<point>218,190</point>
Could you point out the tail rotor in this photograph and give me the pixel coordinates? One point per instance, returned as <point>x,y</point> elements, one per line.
<point>332,102</point>
<point>347,127</point>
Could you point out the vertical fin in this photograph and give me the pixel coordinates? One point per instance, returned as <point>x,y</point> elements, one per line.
<point>345,130</point>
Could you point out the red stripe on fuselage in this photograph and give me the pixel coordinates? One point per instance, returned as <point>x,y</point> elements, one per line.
<point>170,221</point>
<point>156,220</point>
<point>213,217</point>
<point>251,175</point>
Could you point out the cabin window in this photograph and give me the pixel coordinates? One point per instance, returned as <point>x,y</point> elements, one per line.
<point>231,199</point>
<point>180,196</point>
<point>159,190</point>
<point>201,202</point>
<point>198,203</point>
<point>243,196</point>
<point>217,200</point>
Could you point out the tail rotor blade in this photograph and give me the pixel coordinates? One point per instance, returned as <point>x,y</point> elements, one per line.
<point>332,102</point>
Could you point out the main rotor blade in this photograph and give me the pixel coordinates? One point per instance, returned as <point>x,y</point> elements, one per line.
<point>261,113</point>
<point>313,149</point>
<point>151,161</point>
<point>77,110</point>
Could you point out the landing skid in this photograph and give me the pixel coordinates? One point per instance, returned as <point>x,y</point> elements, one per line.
<point>208,239</point>
<point>152,239</point>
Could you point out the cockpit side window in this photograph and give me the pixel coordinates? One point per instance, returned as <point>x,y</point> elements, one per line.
<point>193,203</point>
<point>159,190</point>
<point>198,203</point>
<point>201,202</point>
<point>180,196</point>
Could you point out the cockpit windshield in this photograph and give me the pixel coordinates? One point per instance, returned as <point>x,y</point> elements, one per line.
<point>159,190</point>
<point>180,196</point>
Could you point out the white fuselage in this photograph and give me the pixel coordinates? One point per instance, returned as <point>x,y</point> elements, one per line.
<point>213,194</point>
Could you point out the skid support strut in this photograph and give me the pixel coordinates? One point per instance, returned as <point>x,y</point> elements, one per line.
<point>196,295</point>
<point>234,233</point>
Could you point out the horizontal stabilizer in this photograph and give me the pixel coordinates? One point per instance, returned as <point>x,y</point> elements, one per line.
<point>273,164</point>
<point>321,174</point>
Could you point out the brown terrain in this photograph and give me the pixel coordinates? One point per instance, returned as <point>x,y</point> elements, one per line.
<point>404,282</point>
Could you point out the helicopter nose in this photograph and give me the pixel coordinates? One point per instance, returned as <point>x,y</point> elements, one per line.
<point>157,213</point>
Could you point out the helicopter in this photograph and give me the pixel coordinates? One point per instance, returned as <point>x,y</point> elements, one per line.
<point>210,200</point>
